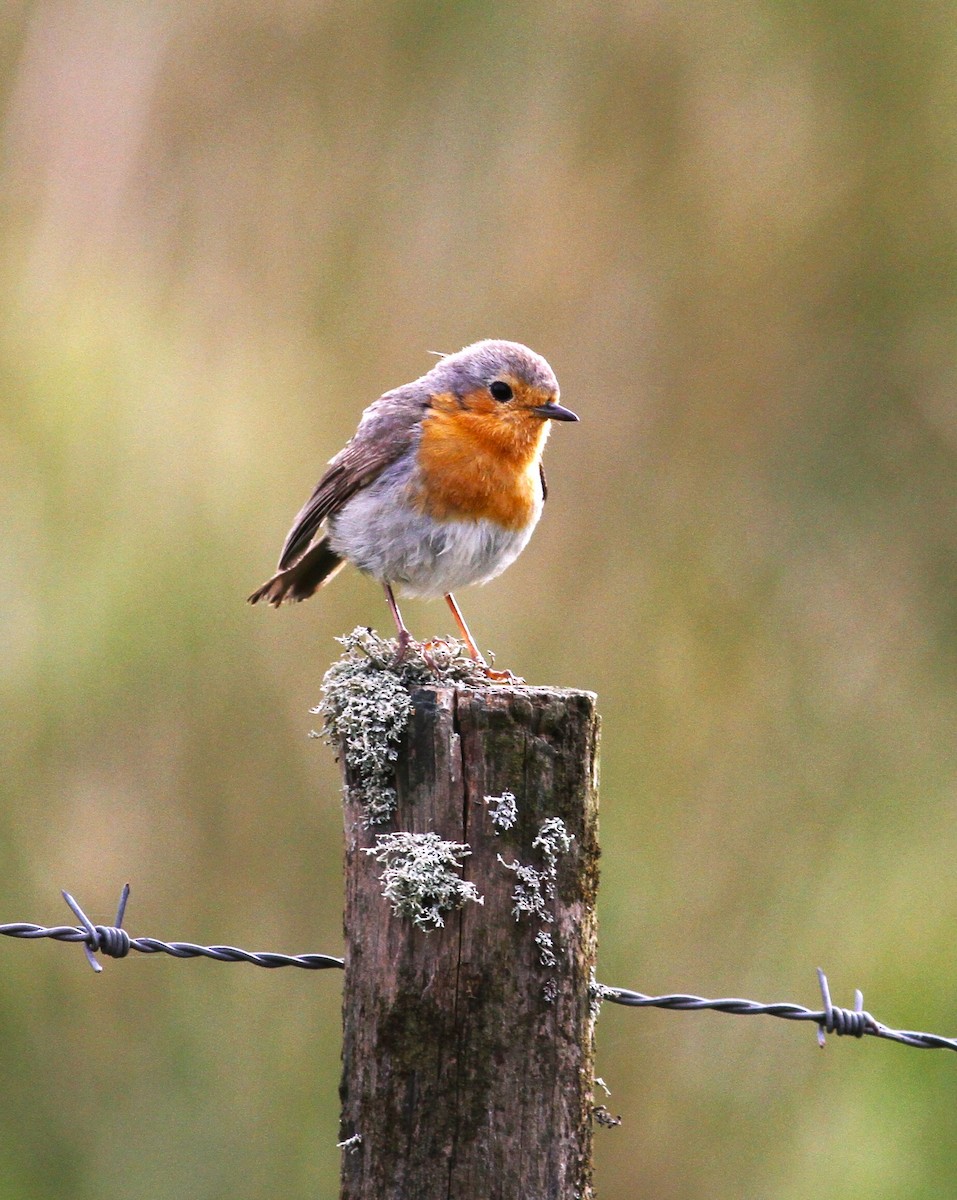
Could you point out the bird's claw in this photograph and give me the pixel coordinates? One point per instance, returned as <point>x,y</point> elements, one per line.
<point>504,677</point>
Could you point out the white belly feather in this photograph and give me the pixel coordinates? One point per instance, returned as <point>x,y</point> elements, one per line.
<point>418,555</point>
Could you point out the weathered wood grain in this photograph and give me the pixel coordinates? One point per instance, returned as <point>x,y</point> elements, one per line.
<point>468,1060</point>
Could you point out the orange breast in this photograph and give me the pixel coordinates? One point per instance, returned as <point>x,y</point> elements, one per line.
<point>476,465</point>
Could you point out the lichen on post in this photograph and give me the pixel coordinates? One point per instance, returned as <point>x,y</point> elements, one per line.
<point>468,1050</point>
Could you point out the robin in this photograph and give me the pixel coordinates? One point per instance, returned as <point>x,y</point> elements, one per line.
<point>440,487</point>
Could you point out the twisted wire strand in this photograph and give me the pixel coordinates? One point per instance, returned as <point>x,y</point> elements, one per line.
<point>114,942</point>
<point>842,1022</point>
<point>105,943</point>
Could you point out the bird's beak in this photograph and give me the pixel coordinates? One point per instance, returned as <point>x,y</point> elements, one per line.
<point>555,412</point>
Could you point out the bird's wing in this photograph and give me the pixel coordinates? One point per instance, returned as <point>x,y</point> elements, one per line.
<point>541,472</point>
<point>387,429</point>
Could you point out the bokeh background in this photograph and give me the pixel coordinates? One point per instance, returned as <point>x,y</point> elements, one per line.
<point>730,227</point>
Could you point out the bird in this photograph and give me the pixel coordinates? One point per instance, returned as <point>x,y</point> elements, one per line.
<point>440,487</point>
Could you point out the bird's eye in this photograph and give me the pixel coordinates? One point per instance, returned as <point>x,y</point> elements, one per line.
<point>500,390</point>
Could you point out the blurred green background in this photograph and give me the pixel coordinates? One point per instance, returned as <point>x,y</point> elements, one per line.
<point>225,228</point>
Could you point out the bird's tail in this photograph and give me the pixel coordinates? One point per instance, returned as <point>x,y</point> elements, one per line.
<point>298,582</point>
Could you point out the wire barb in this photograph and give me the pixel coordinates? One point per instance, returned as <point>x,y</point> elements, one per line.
<point>842,1021</point>
<point>111,940</point>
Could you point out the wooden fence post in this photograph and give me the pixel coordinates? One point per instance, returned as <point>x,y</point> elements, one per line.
<point>468,1049</point>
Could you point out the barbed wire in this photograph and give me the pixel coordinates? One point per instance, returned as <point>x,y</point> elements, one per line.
<point>843,1022</point>
<point>114,942</point>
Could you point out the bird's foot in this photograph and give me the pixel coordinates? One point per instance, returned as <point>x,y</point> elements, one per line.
<point>440,653</point>
<point>403,642</point>
<point>493,676</point>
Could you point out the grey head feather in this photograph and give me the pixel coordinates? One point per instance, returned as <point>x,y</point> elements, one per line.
<point>479,364</point>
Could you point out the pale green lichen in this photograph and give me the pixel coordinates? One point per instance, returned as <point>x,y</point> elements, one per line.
<point>502,810</point>
<point>546,948</point>
<point>366,707</point>
<point>554,840</point>
<point>420,876</point>
<point>533,887</point>
<point>528,896</point>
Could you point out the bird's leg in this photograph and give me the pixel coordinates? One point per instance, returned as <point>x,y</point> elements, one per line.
<point>495,676</point>
<point>405,638</point>
<point>473,650</point>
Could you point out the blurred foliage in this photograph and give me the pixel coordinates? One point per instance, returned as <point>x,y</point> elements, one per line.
<point>225,228</point>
